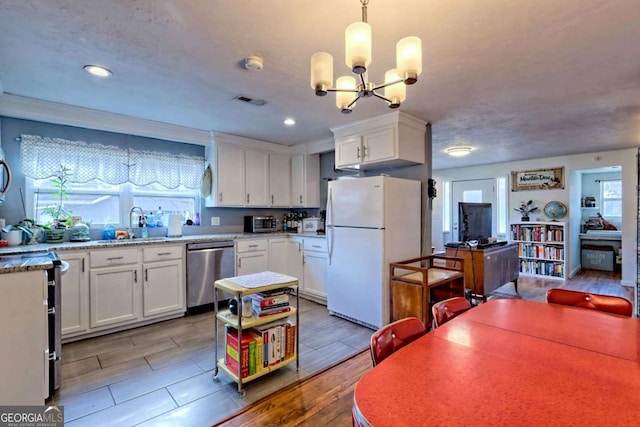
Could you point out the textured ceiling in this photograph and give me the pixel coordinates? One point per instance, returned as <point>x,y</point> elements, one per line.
<point>514,79</point>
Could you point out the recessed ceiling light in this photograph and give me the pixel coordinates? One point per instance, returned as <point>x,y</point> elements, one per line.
<point>289,121</point>
<point>98,71</point>
<point>459,151</point>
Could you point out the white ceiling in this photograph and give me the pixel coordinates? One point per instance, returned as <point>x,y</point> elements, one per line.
<point>514,79</point>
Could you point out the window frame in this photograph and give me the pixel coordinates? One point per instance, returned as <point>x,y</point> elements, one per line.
<point>604,199</point>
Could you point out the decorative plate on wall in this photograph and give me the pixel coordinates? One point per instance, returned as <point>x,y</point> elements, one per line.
<point>555,210</point>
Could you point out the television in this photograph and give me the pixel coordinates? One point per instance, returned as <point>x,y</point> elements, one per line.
<point>474,220</point>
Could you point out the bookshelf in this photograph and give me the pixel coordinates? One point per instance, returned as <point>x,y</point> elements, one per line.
<point>244,286</point>
<point>542,249</point>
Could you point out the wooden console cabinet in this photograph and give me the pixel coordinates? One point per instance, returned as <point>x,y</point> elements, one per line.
<point>487,269</point>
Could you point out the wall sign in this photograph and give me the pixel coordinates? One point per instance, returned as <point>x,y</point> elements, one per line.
<point>540,179</point>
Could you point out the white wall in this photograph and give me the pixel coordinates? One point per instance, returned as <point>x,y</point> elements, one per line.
<point>570,196</point>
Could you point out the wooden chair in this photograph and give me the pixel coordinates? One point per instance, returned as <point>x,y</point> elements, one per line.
<point>392,337</point>
<point>443,311</point>
<point>606,303</point>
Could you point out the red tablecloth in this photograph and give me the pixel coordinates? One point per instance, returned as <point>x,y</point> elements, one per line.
<point>511,362</point>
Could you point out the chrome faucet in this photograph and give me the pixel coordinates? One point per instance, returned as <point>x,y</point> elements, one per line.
<point>131,236</point>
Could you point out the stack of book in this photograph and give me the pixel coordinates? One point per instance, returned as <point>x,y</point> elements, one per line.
<point>262,347</point>
<point>271,302</point>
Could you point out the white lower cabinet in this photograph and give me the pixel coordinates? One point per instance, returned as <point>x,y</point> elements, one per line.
<point>315,269</point>
<point>164,289</point>
<point>115,295</point>
<point>285,257</point>
<point>111,289</point>
<point>251,256</point>
<point>75,294</point>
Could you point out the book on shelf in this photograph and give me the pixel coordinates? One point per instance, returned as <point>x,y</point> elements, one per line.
<point>233,355</point>
<point>270,311</point>
<point>259,351</point>
<point>269,301</point>
<point>278,341</point>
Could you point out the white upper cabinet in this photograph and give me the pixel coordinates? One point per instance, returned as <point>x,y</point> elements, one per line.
<point>305,180</point>
<point>280,180</point>
<point>229,176</point>
<point>252,173</point>
<point>393,139</point>
<point>256,176</point>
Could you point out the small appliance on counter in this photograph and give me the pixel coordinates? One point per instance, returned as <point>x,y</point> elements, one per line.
<point>260,224</point>
<point>312,225</point>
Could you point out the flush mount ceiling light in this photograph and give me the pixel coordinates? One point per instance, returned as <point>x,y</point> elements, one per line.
<point>358,58</point>
<point>97,70</point>
<point>289,121</point>
<point>459,151</point>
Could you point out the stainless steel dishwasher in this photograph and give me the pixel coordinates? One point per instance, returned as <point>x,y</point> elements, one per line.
<point>206,263</point>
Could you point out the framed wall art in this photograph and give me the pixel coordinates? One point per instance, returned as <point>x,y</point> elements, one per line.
<point>538,179</point>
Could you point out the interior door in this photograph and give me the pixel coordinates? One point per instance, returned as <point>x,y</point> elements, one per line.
<point>475,191</point>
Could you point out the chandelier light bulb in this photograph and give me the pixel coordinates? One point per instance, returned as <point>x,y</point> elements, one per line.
<point>343,99</point>
<point>357,47</point>
<point>396,93</point>
<point>409,59</point>
<point>321,72</point>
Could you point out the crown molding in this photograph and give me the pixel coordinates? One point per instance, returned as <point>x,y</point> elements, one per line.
<point>21,107</point>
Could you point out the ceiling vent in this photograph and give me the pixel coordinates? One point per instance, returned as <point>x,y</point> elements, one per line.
<point>249,100</point>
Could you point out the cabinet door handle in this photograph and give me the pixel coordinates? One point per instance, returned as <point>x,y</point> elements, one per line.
<point>364,151</point>
<point>239,262</point>
<point>301,199</point>
<point>357,152</point>
<point>272,199</point>
<point>114,258</point>
<point>83,265</point>
<point>248,198</point>
<point>146,274</point>
<point>299,247</point>
<point>221,197</point>
<point>135,276</point>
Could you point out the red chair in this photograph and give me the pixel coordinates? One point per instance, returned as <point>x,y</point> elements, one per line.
<point>445,310</point>
<point>394,336</point>
<point>606,303</point>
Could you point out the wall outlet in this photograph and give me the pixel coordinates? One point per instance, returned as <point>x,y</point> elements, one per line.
<point>215,220</point>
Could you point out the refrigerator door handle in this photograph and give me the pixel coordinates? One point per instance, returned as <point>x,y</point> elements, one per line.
<point>329,225</point>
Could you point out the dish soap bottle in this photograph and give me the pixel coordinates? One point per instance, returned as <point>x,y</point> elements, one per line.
<point>109,232</point>
<point>159,217</point>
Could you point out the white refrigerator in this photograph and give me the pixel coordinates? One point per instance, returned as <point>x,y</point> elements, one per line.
<point>370,223</point>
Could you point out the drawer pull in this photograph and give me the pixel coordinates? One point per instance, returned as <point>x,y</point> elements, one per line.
<point>114,258</point>
<point>164,253</point>
<point>253,246</point>
<point>316,246</point>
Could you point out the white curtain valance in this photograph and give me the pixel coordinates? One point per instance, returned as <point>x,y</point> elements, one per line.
<point>41,158</point>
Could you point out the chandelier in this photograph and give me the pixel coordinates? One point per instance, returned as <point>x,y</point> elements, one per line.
<point>358,58</point>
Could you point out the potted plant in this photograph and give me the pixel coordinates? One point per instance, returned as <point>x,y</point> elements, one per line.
<point>59,215</point>
<point>525,209</point>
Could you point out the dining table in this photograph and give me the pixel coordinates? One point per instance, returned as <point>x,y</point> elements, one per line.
<point>510,362</point>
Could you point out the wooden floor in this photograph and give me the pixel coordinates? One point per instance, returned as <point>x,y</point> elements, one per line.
<point>162,374</point>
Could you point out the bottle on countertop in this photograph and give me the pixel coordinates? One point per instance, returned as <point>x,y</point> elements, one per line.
<point>159,217</point>
<point>109,232</point>
<point>144,232</point>
<point>151,220</point>
<point>196,221</point>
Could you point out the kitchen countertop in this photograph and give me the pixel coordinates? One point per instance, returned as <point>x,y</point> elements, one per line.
<point>15,263</point>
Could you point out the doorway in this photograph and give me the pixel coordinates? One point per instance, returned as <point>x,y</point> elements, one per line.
<point>475,191</point>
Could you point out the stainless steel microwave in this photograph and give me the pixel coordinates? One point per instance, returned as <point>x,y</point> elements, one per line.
<point>259,224</point>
